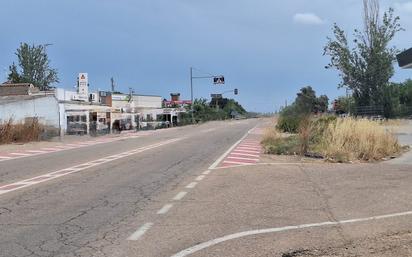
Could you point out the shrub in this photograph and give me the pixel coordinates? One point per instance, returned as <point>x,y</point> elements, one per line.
<point>274,143</point>
<point>289,119</point>
<point>357,139</point>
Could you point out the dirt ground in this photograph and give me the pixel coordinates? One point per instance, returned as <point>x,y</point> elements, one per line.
<point>398,244</point>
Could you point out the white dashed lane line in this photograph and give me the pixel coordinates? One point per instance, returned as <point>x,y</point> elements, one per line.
<point>192,185</point>
<point>180,196</point>
<point>165,209</point>
<point>140,232</point>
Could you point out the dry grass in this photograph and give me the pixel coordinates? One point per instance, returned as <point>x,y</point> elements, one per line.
<point>20,133</point>
<point>350,139</point>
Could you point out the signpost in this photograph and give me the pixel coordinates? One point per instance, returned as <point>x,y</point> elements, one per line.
<point>216,80</point>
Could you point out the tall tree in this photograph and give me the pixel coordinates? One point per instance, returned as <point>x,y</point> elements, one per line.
<point>367,66</point>
<point>34,66</point>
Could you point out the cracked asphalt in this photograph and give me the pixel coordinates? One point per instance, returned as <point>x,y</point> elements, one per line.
<point>92,212</point>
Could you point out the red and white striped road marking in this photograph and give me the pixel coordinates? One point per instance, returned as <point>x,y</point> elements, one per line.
<point>245,153</point>
<point>64,172</point>
<point>45,150</point>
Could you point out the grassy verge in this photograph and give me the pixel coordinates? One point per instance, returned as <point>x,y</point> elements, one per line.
<point>335,139</point>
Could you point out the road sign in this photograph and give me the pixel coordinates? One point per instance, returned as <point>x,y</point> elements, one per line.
<point>219,80</point>
<point>216,96</point>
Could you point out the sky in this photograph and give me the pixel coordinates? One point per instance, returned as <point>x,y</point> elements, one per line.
<point>267,49</point>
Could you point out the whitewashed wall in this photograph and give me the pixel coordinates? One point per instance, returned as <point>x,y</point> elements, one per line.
<point>45,108</point>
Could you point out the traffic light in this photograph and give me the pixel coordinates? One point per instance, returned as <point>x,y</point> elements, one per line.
<point>236,91</point>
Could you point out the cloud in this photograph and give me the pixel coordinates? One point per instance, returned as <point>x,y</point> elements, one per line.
<point>308,19</point>
<point>406,7</point>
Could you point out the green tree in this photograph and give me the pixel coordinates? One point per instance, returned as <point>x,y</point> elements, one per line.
<point>366,67</point>
<point>306,100</point>
<point>406,93</point>
<point>34,67</point>
<point>322,104</point>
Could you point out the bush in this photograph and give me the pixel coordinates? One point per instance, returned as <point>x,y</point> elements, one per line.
<point>274,143</point>
<point>357,139</point>
<point>289,119</point>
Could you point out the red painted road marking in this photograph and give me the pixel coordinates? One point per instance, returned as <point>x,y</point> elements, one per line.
<point>247,152</point>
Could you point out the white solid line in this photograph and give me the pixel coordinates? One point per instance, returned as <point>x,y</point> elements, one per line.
<point>245,151</point>
<point>214,165</point>
<point>232,162</point>
<point>219,240</point>
<point>249,145</point>
<point>244,154</point>
<point>179,196</point>
<point>140,232</point>
<point>192,185</point>
<point>21,154</point>
<point>242,158</point>
<point>5,157</point>
<point>50,149</point>
<point>206,172</point>
<point>165,209</point>
<point>248,148</point>
<point>36,151</point>
<point>80,167</point>
<point>200,178</point>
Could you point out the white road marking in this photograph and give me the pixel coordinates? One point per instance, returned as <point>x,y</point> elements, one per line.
<point>140,232</point>
<point>233,162</point>
<point>165,209</point>
<point>180,196</point>
<point>35,151</point>
<point>245,151</point>
<point>220,159</point>
<point>248,148</point>
<point>77,168</point>
<point>219,240</point>
<point>245,154</point>
<point>50,149</point>
<point>5,157</point>
<point>192,185</point>
<point>249,145</point>
<point>241,158</point>
<point>200,178</point>
<point>21,154</point>
<point>206,172</point>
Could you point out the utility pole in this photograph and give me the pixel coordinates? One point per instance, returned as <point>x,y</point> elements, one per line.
<point>112,83</point>
<point>191,95</point>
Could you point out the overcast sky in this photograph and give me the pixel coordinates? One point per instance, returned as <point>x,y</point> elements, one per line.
<point>268,49</point>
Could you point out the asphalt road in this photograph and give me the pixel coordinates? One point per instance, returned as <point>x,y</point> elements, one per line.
<point>93,211</point>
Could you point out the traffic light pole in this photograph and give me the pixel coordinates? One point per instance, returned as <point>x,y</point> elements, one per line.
<point>191,95</point>
<point>191,90</point>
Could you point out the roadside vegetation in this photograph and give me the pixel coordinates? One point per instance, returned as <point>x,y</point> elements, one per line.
<point>334,139</point>
<point>207,111</point>
<point>29,131</point>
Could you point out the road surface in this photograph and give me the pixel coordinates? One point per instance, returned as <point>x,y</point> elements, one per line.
<point>200,191</point>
